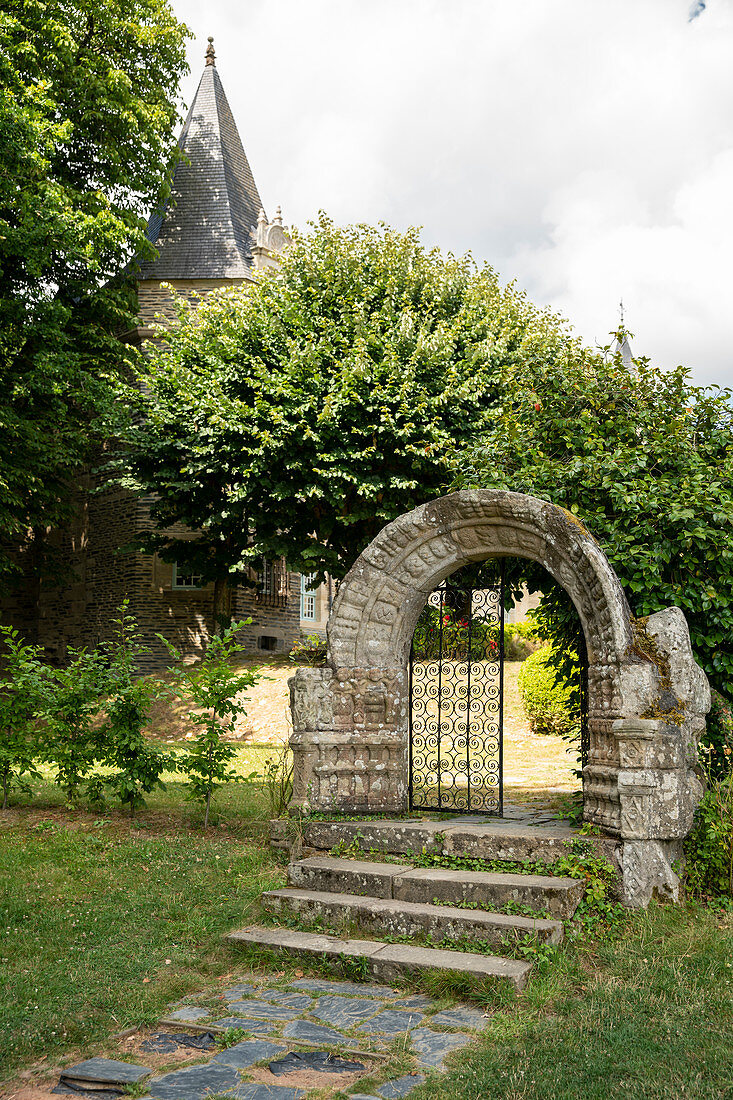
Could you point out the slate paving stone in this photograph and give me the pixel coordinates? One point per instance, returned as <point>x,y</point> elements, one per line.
<point>257,1027</point>
<point>236,992</point>
<point>353,989</point>
<point>87,1093</point>
<point>189,1014</point>
<point>432,1046</point>
<point>104,1071</point>
<point>246,1053</point>
<point>264,1010</point>
<point>345,1011</point>
<point>162,1042</point>
<point>312,1033</point>
<point>459,1017</point>
<point>402,1086</point>
<point>301,1001</point>
<point>418,1001</point>
<point>392,1023</point>
<point>320,1061</point>
<point>362,1096</point>
<point>267,1092</point>
<point>195,1082</point>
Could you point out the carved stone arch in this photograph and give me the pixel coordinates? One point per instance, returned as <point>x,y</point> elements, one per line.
<point>350,719</point>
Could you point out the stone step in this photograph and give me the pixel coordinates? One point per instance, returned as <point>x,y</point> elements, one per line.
<point>497,839</point>
<point>386,961</point>
<point>384,916</point>
<point>559,896</point>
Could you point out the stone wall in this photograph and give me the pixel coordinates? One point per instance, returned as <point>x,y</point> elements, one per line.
<point>99,573</point>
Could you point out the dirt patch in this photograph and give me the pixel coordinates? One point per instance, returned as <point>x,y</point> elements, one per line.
<point>159,1060</point>
<point>310,1079</point>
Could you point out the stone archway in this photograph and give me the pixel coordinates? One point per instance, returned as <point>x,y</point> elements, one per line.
<point>647,698</point>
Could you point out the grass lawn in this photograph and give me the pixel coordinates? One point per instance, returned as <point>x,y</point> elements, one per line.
<point>106,920</point>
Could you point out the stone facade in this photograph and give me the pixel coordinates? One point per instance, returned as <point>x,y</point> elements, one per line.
<point>647,699</point>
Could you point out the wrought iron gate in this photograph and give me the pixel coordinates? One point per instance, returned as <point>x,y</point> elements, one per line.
<point>456,693</point>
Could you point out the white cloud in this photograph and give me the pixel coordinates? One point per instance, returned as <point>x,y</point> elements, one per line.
<point>583,148</point>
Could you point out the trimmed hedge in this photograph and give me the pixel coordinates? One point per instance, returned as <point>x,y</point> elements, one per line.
<point>547,702</point>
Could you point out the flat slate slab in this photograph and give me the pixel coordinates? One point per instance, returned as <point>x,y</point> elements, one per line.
<point>246,1053</point>
<point>236,992</point>
<point>264,1010</point>
<point>419,1000</point>
<point>299,1001</point>
<point>348,989</point>
<point>392,1022</point>
<point>257,1027</point>
<point>195,1082</point>
<point>312,1033</point>
<point>345,1011</point>
<point>267,1092</point>
<point>401,1086</point>
<point>189,1014</point>
<point>433,1046</point>
<point>459,1017</point>
<point>105,1071</point>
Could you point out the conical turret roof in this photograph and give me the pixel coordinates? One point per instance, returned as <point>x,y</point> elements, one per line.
<point>204,231</point>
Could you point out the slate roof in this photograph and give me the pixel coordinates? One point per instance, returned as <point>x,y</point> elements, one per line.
<point>203,232</point>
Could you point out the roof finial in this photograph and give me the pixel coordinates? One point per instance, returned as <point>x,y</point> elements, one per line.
<point>210,55</point>
<point>621,310</point>
<point>278,220</point>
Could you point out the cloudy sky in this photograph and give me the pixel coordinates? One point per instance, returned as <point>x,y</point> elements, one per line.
<point>583,147</point>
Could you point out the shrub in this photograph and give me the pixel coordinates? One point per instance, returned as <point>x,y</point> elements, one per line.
<point>72,739</point>
<point>309,650</point>
<point>447,632</point>
<point>22,683</point>
<point>548,702</point>
<point>716,742</point>
<point>139,763</point>
<point>213,685</point>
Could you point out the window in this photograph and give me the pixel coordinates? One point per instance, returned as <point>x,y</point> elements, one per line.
<point>272,582</point>
<point>184,577</point>
<point>307,596</point>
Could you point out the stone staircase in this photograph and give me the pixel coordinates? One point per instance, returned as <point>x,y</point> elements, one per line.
<point>397,900</point>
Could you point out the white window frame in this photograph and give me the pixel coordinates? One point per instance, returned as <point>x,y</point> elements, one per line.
<point>196,578</point>
<point>307,597</point>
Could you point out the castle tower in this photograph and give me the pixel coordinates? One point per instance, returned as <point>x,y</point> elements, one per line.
<point>212,231</point>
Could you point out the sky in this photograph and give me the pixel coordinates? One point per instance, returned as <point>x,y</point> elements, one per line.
<point>583,148</point>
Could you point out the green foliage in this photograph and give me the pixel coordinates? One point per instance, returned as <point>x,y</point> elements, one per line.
<point>643,458</point>
<point>71,739</point>
<point>138,761</point>
<point>213,686</point>
<point>547,699</point>
<point>297,416</point>
<point>87,93</point>
<point>716,743</point>
<point>22,684</point>
<point>229,1037</point>
<point>310,650</point>
<point>709,845</point>
<point>278,781</point>
<point>447,632</point>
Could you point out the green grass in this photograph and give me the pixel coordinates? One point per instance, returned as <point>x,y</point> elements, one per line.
<point>649,1014</point>
<point>92,906</point>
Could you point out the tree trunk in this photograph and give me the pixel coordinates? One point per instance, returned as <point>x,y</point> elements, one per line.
<point>222,605</point>
<point>6,784</point>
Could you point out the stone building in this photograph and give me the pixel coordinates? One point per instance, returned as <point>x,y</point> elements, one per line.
<point>212,233</point>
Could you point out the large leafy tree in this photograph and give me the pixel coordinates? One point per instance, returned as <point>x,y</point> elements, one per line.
<point>87,91</point>
<point>299,415</point>
<point>645,459</point>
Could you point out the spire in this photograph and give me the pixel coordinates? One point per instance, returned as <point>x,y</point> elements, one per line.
<point>204,231</point>
<point>622,346</point>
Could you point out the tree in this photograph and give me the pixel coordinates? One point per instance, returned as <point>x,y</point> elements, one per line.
<point>645,460</point>
<point>298,416</point>
<point>86,137</point>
